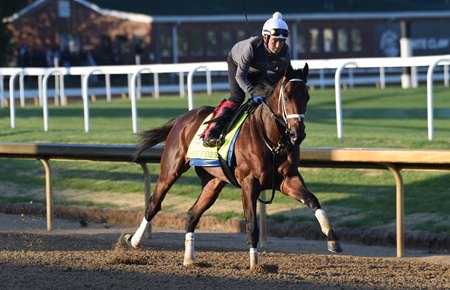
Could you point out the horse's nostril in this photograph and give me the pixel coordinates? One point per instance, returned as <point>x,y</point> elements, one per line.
<point>297,139</point>
<point>293,137</point>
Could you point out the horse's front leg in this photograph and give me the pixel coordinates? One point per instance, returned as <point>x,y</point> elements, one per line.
<point>295,187</point>
<point>210,192</point>
<point>250,192</point>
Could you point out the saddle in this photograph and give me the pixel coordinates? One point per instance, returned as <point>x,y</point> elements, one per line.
<point>222,156</point>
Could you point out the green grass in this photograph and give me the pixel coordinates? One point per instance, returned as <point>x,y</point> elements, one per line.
<point>354,198</point>
<point>226,215</point>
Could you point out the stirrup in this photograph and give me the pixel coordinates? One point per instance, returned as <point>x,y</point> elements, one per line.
<point>213,141</point>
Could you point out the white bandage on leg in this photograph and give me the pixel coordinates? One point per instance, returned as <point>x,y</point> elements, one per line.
<point>189,252</point>
<point>323,221</point>
<point>138,237</point>
<point>253,258</point>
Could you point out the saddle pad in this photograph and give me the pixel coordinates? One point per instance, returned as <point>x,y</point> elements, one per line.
<point>208,156</point>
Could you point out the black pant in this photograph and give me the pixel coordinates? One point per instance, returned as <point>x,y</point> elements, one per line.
<point>237,95</point>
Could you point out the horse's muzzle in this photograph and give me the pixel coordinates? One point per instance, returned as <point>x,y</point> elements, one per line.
<point>297,138</point>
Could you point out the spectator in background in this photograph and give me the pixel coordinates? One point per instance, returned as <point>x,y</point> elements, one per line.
<point>23,56</point>
<point>52,57</point>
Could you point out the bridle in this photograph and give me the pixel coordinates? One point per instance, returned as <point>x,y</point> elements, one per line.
<point>282,104</point>
<point>282,122</point>
<point>284,127</point>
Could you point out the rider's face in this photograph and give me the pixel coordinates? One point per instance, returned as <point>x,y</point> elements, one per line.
<point>275,44</point>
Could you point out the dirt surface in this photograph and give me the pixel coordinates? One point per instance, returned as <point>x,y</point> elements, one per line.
<point>91,255</point>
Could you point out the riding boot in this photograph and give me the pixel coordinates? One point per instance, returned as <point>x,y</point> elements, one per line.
<point>212,136</point>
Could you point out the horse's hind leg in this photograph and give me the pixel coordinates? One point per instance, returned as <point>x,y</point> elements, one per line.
<point>250,193</point>
<point>171,170</point>
<point>211,188</point>
<point>295,187</point>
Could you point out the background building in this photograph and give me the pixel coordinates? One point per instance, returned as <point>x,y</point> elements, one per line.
<point>83,32</point>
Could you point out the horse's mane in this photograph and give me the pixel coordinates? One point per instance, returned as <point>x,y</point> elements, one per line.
<point>267,83</point>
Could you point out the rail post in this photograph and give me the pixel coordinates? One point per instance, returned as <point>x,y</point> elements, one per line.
<point>263,221</point>
<point>446,75</point>
<point>156,85</point>
<point>400,212</point>
<point>133,97</point>
<point>430,96</point>
<point>22,89</point>
<point>337,88</point>
<point>108,87</point>
<point>12,105</point>
<point>190,81</point>
<point>382,78</point>
<point>48,193</point>
<point>84,93</point>
<point>44,93</point>
<point>181,83</point>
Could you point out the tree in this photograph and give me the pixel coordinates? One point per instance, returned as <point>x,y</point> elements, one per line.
<point>8,8</point>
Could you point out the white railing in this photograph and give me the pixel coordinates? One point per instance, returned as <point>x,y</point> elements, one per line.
<point>133,71</point>
<point>85,72</point>
<point>428,61</point>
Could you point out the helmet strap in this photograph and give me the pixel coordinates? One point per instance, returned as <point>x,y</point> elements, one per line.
<point>267,41</point>
<point>266,45</point>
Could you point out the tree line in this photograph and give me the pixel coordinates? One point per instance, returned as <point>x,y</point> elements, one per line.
<point>7,46</point>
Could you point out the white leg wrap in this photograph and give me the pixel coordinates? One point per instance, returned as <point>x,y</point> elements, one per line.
<point>189,252</point>
<point>138,237</point>
<point>323,221</point>
<point>253,258</point>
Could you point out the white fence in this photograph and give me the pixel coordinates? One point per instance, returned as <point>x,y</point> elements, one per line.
<point>134,71</point>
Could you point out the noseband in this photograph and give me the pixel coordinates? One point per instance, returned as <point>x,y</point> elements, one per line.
<point>282,105</point>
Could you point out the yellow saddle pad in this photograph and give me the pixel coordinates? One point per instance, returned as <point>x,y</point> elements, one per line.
<point>208,156</point>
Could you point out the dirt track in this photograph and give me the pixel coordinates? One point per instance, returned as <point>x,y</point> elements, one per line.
<point>76,257</point>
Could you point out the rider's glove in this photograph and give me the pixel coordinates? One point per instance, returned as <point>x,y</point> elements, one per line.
<point>258,99</point>
<point>253,103</point>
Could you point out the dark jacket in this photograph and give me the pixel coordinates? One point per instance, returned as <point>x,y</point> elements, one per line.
<point>252,57</point>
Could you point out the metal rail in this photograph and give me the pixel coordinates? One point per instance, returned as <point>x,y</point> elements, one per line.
<point>394,160</point>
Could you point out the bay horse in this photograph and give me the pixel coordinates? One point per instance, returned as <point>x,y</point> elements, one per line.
<point>267,152</point>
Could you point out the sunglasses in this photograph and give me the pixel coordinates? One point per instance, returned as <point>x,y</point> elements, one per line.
<point>279,32</point>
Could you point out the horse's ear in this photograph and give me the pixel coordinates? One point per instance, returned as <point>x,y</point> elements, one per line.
<point>306,70</point>
<point>289,70</point>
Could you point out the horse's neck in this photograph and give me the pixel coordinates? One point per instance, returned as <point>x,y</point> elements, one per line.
<point>268,124</point>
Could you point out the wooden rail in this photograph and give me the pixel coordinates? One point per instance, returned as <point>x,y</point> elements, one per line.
<point>90,152</point>
<point>392,159</point>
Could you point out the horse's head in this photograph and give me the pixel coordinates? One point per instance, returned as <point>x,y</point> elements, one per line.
<point>292,103</point>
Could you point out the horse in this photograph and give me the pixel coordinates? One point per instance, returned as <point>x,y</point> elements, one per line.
<point>267,153</point>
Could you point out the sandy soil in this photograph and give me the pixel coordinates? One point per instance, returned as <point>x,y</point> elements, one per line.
<point>76,256</point>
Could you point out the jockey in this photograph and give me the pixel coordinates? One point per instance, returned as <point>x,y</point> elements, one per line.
<point>248,61</point>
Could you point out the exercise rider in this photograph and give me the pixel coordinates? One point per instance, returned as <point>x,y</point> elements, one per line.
<point>248,61</point>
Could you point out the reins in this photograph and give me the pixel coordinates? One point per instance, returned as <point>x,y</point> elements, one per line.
<point>284,138</point>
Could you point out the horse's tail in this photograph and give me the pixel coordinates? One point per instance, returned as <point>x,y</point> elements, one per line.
<point>152,137</point>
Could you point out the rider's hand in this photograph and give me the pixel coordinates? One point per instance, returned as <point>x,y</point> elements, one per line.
<point>253,103</point>
<point>258,99</point>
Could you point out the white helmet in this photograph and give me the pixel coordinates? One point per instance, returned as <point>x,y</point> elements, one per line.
<point>276,27</point>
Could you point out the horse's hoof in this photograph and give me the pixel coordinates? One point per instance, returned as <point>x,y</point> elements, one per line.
<point>127,239</point>
<point>188,261</point>
<point>334,246</point>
